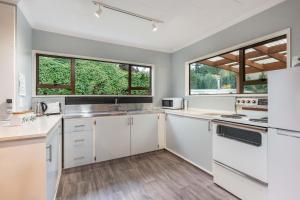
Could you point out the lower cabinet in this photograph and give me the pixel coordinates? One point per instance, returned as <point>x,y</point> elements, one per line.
<point>112,137</point>
<point>144,133</point>
<point>191,139</point>
<point>53,159</point>
<point>89,140</point>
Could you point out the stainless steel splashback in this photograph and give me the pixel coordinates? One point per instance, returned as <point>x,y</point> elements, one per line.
<point>106,107</point>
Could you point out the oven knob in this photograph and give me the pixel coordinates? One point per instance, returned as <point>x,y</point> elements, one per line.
<point>238,101</point>
<point>243,101</point>
<point>254,102</point>
<point>248,101</point>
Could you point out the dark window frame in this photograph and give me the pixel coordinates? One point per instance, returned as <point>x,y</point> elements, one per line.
<point>71,86</point>
<point>241,79</point>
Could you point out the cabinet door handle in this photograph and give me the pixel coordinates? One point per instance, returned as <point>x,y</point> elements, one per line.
<point>79,126</point>
<point>209,125</point>
<point>49,148</point>
<point>79,158</point>
<point>79,140</point>
<point>129,121</point>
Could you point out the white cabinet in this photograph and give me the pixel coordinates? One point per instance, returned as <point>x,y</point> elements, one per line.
<point>112,137</point>
<point>144,133</point>
<point>89,140</point>
<point>53,159</point>
<point>190,138</point>
<point>78,142</point>
<point>7,50</point>
<point>284,165</point>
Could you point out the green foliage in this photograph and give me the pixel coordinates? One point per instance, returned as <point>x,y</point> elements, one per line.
<point>100,78</point>
<point>54,70</point>
<point>91,77</point>
<point>205,77</point>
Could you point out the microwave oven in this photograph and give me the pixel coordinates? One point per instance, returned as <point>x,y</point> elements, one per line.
<point>172,103</point>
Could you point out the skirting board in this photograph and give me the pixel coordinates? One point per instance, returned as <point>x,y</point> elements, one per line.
<point>194,164</point>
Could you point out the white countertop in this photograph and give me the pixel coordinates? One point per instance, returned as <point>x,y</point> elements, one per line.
<point>213,114</point>
<point>36,129</point>
<point>196,113</point>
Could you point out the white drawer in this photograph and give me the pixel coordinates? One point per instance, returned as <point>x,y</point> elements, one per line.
<point>239,185</point>
<point>78,125</point>
<point>78,148</point>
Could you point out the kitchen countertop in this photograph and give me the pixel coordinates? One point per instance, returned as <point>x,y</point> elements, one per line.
<point>36,129</point>
<point>195,113</point>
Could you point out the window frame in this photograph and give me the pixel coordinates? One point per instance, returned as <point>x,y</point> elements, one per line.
<point>241,75</point>
<point>35,86</point>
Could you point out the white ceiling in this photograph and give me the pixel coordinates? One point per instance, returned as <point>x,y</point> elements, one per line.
<point>186,21</point>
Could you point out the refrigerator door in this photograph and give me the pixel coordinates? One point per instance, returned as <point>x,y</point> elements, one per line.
<point>284,99</point>
<point>284,165</point>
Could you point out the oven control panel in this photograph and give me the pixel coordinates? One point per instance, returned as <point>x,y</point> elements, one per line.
<point>252,102</point>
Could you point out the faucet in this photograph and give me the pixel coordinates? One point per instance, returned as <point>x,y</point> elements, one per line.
<point>116,106</point>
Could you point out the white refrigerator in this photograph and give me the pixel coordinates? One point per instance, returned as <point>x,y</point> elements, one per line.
<point>284,134</point>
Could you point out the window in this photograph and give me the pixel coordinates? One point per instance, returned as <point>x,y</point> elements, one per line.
<point>58,75</point>
<point>244,70</point>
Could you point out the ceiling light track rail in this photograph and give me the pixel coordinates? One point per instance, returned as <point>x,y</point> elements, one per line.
<point>127,12</point>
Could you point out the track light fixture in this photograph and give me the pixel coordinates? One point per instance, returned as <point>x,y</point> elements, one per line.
<point>101,5</point>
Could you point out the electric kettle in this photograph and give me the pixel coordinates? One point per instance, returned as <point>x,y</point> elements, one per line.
<point>40,108</point>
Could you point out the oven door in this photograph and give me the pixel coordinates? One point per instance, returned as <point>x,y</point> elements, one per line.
<point>241,147</point>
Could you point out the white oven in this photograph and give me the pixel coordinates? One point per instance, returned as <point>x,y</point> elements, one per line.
<point>240,159</point>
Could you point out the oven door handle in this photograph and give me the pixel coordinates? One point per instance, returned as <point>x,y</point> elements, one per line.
<point>241,126</point>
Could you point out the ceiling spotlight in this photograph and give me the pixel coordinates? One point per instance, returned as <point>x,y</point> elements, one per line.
<point>154,27</point>
<point>98,12</point>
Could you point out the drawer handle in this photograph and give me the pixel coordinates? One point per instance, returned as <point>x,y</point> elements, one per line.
<point>79,126</point>
<point>79,158</point>
<point>79,140</point>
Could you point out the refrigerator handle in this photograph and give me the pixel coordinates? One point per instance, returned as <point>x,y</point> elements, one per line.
<point>293,134</point>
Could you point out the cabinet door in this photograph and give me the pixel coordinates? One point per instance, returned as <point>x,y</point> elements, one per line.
<point>52,156</point>
<point>112,137</point>
<point>144,133</point>
<point>190,138</point>
<point>7,50</point>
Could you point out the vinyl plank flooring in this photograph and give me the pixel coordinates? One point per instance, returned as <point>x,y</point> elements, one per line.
<point>157,175</point>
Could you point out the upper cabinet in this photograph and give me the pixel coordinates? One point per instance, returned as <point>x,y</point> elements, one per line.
<point>15,57</point>
<point>7,50</point>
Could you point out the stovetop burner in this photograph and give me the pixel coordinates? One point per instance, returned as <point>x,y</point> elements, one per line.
<point>234,116</point>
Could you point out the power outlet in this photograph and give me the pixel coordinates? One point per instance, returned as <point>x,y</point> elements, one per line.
<point>296,61</point>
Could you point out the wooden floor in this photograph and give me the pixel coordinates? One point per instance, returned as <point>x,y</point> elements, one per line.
<point>153,176</point>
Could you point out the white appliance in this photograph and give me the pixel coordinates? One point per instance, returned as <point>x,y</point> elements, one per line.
<point>53,108</point>
<point>172,103</point>
<point>284,134</point>
<point>240,149</point>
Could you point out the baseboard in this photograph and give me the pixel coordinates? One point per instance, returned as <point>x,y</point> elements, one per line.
<point>194,164</point>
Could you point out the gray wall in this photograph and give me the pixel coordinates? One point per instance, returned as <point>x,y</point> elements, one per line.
<point>53,42</point>
<point>280,17</point>
<point>23,60</point>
